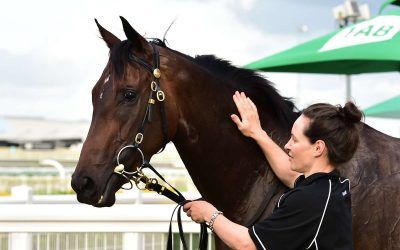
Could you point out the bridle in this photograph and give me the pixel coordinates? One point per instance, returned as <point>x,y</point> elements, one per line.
<point>139,178</point>
<point>155,94</point>
<point>155,91</point>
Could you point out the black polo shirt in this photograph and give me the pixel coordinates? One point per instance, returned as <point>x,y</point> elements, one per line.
<point>315,214</point>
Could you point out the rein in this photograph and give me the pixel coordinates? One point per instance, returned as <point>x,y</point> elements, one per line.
<point>143,182</point>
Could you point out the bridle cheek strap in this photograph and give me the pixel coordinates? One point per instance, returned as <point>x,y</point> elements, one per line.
<point>155,94</point>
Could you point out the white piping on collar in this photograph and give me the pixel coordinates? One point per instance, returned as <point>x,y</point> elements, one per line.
<point>345,181</point>
<point>280,199</point>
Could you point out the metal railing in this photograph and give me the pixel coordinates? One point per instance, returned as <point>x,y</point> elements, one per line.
<point>48,222</point>
<point>96,241</point>
<point>75,226</point>
<point>24,194</point>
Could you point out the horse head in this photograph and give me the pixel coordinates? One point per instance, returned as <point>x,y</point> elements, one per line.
<point>127,102</point>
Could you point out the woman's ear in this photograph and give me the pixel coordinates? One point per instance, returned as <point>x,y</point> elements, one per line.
<point>319,148</point>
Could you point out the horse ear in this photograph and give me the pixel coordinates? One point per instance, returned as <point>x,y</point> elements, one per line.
<point>133,36</point>
<point>107,36</point>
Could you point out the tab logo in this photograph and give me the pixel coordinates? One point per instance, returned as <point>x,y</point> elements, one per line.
<point>379,29</point>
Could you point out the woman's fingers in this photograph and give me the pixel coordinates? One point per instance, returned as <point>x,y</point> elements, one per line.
<point>246,101</point>
<point>242,97</point>
<point>252,104</point>
<point>237,121</point>
<point>187,206</point>
<point>242,103</point>
<point>248,122</point>
<point>238,98</point>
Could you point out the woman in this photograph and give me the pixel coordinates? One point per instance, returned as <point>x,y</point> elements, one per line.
<point>316,211</point>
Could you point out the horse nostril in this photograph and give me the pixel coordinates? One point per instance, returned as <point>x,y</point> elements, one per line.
<point>88,184</point>
<point>75,183</point>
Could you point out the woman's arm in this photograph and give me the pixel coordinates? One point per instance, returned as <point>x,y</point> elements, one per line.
<point>234,235</point>
<point>249,125</point>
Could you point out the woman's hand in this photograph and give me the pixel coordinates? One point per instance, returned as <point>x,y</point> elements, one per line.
<point>234,235</point>
<point>199,211</point>
<point>250,123</point>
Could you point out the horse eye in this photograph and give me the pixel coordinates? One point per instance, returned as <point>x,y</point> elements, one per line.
<point>129,95</point>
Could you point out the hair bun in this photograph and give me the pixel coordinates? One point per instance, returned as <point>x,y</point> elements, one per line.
<point>350,112</point>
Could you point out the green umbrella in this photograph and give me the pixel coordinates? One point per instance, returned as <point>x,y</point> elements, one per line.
<point>365,47</point>
<point>386,109</point>
<point>369,46</point>
<point>388,2</point>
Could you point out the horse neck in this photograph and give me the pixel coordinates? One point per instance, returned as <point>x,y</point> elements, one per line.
<point>226,167</point>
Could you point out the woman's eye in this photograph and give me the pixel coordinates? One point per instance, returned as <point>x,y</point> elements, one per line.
<point>129,96</point>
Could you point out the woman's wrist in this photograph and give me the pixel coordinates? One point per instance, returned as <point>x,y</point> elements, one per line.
<point>259,135</point>
<point>213,217</point>
<point>208,213</point>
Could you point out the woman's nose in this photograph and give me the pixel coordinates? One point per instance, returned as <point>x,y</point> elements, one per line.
<point>286,147</point>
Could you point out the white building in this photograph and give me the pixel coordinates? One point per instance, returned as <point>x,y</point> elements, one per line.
<point>35,133</point>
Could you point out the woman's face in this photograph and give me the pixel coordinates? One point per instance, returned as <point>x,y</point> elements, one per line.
<point>299,148</point>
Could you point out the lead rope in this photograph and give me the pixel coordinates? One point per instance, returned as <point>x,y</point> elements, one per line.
<point>181,201</point>
<point>152,184</point>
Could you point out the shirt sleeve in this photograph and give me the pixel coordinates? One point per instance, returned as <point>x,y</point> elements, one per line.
<point>292,225</point>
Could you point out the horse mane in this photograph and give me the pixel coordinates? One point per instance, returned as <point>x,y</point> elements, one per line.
<point>253,84</point>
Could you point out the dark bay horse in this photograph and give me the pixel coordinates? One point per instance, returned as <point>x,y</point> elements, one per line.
<point>229,170</point>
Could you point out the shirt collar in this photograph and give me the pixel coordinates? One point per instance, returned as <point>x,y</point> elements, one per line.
<point>302,181</point>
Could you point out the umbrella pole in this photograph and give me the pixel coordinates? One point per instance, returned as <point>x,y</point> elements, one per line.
<point>348,88</point>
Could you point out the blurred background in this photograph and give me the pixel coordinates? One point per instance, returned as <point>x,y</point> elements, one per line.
<point>50,58</point>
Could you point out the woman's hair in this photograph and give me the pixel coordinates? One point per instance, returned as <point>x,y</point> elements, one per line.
<point>336,126</point>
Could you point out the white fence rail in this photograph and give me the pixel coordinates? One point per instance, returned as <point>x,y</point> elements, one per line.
<point>30,222</point>
<point>83,218</point>
<point>23,195</point>
<point>44,180</point>
<point>134,222</point>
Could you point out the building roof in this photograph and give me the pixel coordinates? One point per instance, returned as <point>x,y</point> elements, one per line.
<point>25,129</point>
<point>28,129</point>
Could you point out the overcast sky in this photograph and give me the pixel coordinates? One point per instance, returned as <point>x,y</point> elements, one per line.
<point>51,54</point>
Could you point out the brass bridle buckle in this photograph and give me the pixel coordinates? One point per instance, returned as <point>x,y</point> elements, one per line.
<point>157,73</point>
<point>160,95</point>
<point>141,181</point>
<point>151,182</point>
<point>139,138</point>
<point>154,86</point>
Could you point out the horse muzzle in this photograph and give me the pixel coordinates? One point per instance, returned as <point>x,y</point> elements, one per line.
<point>89,192</point>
